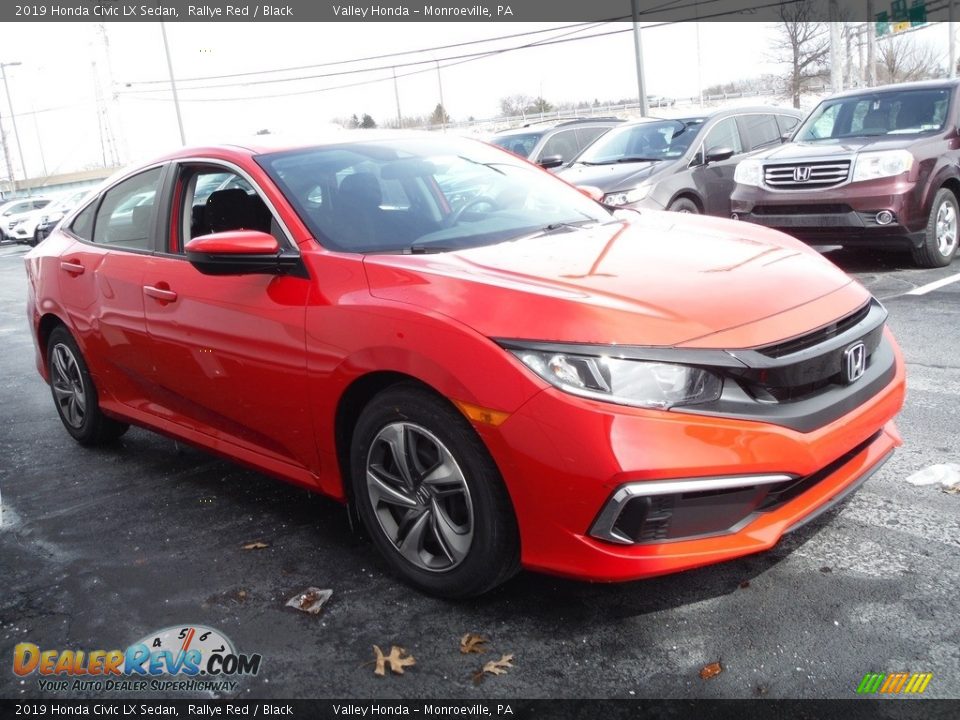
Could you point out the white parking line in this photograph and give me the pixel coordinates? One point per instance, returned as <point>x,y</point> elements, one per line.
<point>935,285</point>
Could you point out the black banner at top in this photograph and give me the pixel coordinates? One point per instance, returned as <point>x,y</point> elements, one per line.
<point>474,10</point>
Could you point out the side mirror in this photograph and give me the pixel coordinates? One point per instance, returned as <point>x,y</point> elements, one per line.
<point>242,252</point>
<point>594,193</point>
<point>718,154</point>
<point>551,161</point>
<point>785,138</point>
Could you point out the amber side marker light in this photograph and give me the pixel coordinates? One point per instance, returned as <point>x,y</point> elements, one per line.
<point>483,415</point>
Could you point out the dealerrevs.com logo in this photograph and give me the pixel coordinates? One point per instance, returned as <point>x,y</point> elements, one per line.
<point>190,658</point>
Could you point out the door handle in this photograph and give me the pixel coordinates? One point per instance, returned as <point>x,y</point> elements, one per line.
<point>159,293</point>
<point>72,268</point>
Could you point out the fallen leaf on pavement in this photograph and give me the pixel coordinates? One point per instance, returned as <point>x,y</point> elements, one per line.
<point>255,546</point>
<point>711,670</point>
<point>745,584</point>
<point>473,643</point>
<point>395,660</point>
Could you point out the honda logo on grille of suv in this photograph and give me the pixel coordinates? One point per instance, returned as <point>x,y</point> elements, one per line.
<point>854,362</point>
<point>801,174</point>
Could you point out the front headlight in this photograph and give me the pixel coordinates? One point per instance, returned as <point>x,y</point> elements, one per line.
<point>749,172</point>
<point>625,197</point>
<point>881,164</point>
<point>640,383</point>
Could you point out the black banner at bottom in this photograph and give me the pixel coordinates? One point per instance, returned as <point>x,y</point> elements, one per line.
<point>894,709</point>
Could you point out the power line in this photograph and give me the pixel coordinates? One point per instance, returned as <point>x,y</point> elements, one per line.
<point>375,57</point>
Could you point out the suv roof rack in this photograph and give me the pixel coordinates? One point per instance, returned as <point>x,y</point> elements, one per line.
<point>572,120</point>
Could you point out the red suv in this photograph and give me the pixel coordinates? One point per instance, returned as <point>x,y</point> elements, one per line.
<point>876,167</point>
<point>490,368</point>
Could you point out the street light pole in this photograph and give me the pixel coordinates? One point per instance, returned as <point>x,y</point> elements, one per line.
<point>638,48</point>
<point>16,134</point>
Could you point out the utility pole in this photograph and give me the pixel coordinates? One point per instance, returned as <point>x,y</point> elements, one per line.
<point>443,108</point>
<point>952,38</point>
<point>396,94</point>
<point>871,45</point>
<point>836,57</point>
<point>173,83</point>
<point>638,48</point>
<point>16,134</point>
<point>11,186</point>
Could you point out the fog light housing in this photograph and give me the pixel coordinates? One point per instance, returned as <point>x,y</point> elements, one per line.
<point>884,217</point>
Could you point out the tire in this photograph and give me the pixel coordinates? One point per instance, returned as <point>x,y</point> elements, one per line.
<point>453,535</point>
<point>684,205</point>
<point>940,238</point>
<point>74,393</point>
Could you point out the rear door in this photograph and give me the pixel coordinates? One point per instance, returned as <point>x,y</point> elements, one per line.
<point>229,351</point>
<point>101,288</point>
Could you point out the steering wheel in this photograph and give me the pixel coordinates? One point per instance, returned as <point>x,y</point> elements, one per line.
<point>455,216</point>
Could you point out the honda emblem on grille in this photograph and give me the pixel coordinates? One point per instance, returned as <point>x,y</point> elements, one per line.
<point>854,362</point>
<point>801,174</point>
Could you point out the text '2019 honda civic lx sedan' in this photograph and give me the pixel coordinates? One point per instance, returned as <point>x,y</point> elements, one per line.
<point>492,369</point>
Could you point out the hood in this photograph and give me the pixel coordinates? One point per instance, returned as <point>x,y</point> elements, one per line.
<point>663,280</point>
<point>845,146</point>
<point>613,177</point>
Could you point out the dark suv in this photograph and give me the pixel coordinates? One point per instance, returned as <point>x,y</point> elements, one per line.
<point>876,167</point>
<point>553,143</point>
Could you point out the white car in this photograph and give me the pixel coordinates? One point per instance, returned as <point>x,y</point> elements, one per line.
<point>11,212</point>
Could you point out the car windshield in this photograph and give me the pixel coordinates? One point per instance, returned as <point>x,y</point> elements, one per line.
<point>659,140</point>
<point>518,144</point>
<point>901,112</point>
<point>424,195</point>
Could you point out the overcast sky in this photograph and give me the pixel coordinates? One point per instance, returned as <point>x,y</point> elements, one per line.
<point>58,76</point>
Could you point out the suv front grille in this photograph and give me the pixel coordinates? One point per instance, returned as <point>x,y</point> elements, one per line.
<point>806,176</point>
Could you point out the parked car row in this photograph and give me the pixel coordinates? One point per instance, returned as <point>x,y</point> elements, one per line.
<point>30,220</point>
<point>877,167</point>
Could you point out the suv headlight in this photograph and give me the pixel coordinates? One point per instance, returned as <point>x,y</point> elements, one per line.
<point>881,164</point>
<point>625,197</point>
<point>749,172</point>
<point>639,383</point>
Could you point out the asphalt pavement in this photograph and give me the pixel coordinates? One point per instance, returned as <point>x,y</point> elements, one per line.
<point>100,547</point>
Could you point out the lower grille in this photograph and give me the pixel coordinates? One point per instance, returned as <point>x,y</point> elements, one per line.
<point>819,209</point>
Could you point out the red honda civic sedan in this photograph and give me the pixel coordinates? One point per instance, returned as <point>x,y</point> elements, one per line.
<point>490,368</point>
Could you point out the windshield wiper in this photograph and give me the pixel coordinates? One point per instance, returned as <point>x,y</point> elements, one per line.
<point>427,249</point>
<point>638,159</point>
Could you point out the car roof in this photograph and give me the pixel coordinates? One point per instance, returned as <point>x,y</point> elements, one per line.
<point>895,87</point>
<point>554,123</point>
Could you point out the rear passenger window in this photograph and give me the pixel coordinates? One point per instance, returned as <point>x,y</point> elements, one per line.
<point>125,217</point>
<point>760,130</point>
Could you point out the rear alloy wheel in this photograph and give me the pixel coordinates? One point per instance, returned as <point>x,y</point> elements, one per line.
<point>430,496</point>
<point>940,237</point>
<point>684,205</point>
<point>74,393</point>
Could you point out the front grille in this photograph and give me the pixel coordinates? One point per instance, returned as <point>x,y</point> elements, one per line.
<point>806,176</point>
<point>820,209</point>
<point>816,337</point>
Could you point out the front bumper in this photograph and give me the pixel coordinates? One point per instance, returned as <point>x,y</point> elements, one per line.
<point>845,215</point>
<point>565,459</point>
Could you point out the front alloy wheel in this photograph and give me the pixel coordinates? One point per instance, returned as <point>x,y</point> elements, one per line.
<point>430,496</point>
<point>939,243</point>
<point>420,497</point>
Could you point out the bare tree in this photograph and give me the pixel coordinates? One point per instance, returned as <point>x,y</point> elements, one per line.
<point>803,46</point>
<point>513,105</point>
<point>901,59</point>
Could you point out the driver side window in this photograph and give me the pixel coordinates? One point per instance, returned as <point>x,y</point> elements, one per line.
<point>217,200</point>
